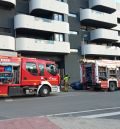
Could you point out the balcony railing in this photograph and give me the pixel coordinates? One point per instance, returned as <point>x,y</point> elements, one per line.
<point>22,21</point>
<point>118,39</point>
<point>92,49</point>
<point>7,42</point>
<point>98,19</point>
<point>108,6</point>
<point>50,5</point>
<point>103,35</point>
<point>8,3</point>
<point>29,44</point>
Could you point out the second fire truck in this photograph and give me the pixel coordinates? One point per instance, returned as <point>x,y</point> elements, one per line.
<point>100,74</point>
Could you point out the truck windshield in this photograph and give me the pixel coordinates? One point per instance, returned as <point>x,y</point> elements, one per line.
<point>52,69</point>
<point>31,68</point>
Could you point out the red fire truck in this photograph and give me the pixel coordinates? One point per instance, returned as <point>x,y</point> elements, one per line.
<point>28,76</point>
<point>100,74</point>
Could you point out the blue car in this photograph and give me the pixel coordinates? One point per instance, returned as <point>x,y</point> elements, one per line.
<point>76,85</point>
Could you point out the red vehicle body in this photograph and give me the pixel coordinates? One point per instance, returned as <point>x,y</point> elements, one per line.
<point>100,74</point>
<point>28,76</point>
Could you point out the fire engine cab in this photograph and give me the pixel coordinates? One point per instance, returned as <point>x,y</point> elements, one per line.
<point>100,74</point>
<point>28,76</point>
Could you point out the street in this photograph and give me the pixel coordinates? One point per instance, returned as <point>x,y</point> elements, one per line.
<point>84,104</point>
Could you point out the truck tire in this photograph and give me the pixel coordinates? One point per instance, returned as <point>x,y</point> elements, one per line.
<point>112,86</point>
<point>44,91</point>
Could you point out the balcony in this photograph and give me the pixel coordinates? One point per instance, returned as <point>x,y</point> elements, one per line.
<point>97,19</point>
<point>7,43</point>
<point>118,13</point>
<point>27,22</point>
<point>108,6</point>
<point>49,5</point>
<point>117,27</point>
<point>92,49</point>
<point>8,53</point>
<point>8,3</point>
<point>103,35</point>
<point>118,39</point>
<point>29,44</point>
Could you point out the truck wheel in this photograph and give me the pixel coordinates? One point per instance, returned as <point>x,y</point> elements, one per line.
<point>44,91</point>
<point>112,86</point>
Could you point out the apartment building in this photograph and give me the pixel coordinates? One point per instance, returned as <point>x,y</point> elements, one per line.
<point>94,32</point>
<point>35,28</point>
<point>62,30</point>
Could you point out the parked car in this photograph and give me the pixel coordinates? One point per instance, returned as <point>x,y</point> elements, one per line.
<point>76,85</point>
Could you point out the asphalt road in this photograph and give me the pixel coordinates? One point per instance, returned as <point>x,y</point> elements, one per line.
<point>84,104</point>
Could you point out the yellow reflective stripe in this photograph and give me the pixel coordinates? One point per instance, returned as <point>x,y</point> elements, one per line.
<point>3,94</point>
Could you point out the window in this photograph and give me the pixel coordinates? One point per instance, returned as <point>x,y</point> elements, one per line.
<point>118,20</point>
<point>41,67</point>
<point>119,33</point>
<point>31,68</point>
<point>58,17</point>
<point>59,37</point>
<point>73,32</point>
<point>102,73</point>
<point>56,37</point>
<point>51,68</point>
<point>112,73</point>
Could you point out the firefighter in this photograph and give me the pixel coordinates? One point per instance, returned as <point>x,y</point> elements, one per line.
<point>66,82</point>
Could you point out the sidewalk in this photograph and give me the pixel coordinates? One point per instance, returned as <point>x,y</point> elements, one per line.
<point>80,123</point>
<point>59,123</point>
<point>28,123</point>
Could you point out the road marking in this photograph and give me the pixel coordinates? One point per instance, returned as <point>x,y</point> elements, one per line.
<point>8,100</point>
<point>101,115</point>
<point>85,111</point>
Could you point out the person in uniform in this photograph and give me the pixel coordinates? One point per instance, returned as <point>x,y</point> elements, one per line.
<point>66,82</point>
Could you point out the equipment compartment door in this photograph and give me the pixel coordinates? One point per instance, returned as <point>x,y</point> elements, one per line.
<point>88,74</point>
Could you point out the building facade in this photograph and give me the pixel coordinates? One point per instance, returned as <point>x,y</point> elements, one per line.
<point>35,28</point>
<point>65,31</point>
<point>94,31</point>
